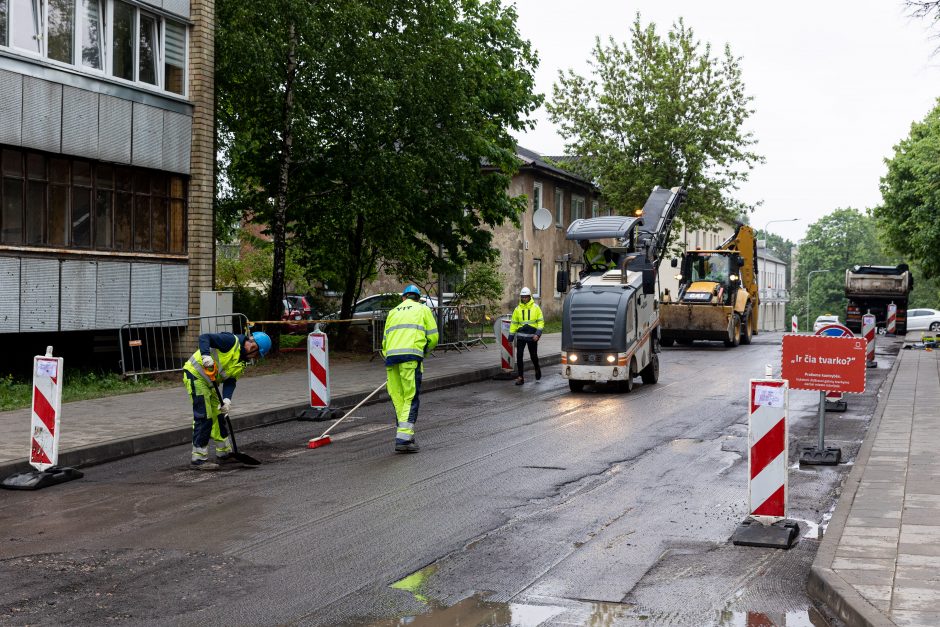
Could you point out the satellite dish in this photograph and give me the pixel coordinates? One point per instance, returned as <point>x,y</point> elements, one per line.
<point>542,219</point>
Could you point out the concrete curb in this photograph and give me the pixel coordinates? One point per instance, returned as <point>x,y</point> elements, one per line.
<point>104,452</point>
<point>824,583</point>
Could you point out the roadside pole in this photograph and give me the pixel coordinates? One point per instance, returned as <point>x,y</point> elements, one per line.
<point>48,373</point>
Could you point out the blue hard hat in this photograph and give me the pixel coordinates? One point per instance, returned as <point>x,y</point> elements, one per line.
<point>411,289</point>
<point>263,341</point>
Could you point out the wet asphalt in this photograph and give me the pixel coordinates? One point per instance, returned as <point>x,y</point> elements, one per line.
<point>526,505</point>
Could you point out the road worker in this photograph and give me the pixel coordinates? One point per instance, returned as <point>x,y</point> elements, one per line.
<point>596,255</point>
<point>221,358</point>
<point>526,328</point>
<point>410,334</point>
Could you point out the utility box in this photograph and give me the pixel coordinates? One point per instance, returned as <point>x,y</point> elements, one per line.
<point>215,312</point>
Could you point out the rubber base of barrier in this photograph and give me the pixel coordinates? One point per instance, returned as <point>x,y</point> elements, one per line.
<point>871,364</point>
<point>38,479</point>
<point>813,456</point>
<point>319,414</point>
<point>780,535</point>
<point>836,406</point>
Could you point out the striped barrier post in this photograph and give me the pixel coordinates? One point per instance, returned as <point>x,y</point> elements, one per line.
<point>868,332</point>
<point>44,429</point>
<point>318,371</point>
<point>891,326</point>
<point>768,447</point>
<point>794,327</point>
<point>506,360</point>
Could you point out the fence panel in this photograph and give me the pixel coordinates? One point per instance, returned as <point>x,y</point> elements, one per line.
<point>460,327</point>
<point>157,346</point>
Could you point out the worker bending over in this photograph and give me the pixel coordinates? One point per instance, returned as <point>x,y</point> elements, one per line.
<point>221,357</point>
<point>410,334</point>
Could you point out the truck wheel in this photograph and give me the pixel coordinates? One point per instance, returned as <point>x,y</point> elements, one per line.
<point>575,386</point>
<point>628,382</point>
<point>667,342</point>
<point>746,330</point>
<point>650,374</point>
<point>735,331</point>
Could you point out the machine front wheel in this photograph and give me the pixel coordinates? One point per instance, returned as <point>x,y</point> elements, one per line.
<point>575,386</point>
<point>650,374</point>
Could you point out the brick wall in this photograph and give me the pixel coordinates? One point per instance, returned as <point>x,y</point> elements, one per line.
<point>201,239</point>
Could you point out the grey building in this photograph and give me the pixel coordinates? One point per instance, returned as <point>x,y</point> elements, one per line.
<point>106,162</point>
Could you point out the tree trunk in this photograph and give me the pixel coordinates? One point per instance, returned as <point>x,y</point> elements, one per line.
<point>279,223</point>
<point>352,283</point>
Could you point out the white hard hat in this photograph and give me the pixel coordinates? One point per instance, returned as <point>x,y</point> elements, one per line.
<point>525,292</point>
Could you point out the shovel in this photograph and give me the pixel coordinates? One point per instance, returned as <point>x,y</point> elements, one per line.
<point>244,458</point>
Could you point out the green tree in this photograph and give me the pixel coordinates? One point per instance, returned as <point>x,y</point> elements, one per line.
<point>835,242</point>
<point>908,218</point>
<point>660,112</point>
<point>399,129</point>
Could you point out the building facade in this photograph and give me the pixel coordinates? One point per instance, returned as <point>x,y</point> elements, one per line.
<point>774,294</point>
<point>106,156</point>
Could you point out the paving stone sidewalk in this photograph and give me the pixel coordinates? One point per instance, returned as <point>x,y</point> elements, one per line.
<point>879,562</point>
<point>99,430</point>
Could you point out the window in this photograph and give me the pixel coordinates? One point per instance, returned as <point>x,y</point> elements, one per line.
<point>559,207</point>
<point>536,196</point>
<point>559,267</point>
<point>576,269</point>
<point>595,209</point>
<point>577,208</point>
<point>141,47</point>
<point>536,278</point>
<point>71,203</point>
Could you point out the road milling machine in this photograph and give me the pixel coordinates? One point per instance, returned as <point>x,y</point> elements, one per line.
<point>718,294</point>
<point>610,319</point>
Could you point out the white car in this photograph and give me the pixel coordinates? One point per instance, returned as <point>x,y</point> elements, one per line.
<point>923,320</point>
<point>822,321</point>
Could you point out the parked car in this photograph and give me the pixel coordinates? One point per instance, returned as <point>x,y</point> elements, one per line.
<point>822,321</point>
<point>365,307</point>
<point>298,310</point>
<point>299,303</point>
<point>923,320</point>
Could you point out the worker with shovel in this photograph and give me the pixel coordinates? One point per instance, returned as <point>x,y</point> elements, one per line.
<point>221,357</point>
<point>410,334</point>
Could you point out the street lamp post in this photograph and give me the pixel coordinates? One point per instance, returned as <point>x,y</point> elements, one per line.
<point>808,277</point>
<point>767,240</point>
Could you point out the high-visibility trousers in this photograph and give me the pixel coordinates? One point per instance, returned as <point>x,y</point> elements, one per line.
<point>206,419</point>
<point>404,386</point>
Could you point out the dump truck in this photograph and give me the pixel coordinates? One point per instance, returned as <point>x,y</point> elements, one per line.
<point>872,289</point>
<point>718,294</point>
<point>610,318</point>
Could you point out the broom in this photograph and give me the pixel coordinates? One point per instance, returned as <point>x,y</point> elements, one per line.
<point>324,439</point>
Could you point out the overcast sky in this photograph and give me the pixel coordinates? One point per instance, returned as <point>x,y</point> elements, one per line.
<point>836,84</point>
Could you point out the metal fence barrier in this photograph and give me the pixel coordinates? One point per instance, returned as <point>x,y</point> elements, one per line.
<point>157,346</point>
<point>460,327</point>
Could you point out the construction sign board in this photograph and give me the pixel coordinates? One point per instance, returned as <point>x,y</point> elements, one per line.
<point>824,363</point>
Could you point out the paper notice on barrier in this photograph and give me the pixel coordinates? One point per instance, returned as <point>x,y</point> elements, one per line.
<point>317,341</point>
<point>47,368</point>
<point>768,396</point>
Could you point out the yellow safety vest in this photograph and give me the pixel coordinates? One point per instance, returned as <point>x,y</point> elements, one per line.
<point>229,364</point>
<point>410,331</point>
<point>526,314</point>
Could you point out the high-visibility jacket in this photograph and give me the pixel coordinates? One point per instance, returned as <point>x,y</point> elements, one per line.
<point>527,321</point>
<point>229,364</point>
<point>595,254</point>
<point>410,333</point>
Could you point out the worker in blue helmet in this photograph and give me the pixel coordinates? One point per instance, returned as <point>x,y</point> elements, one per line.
<point>221,358</point>
<point>410,334</point>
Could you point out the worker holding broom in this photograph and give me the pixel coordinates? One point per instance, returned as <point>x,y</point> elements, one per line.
<point>410,334</point>
<point>221,357</point>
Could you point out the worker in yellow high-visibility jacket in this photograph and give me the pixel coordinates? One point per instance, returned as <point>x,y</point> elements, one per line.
<point>526,328</point>
<point>410,334</point>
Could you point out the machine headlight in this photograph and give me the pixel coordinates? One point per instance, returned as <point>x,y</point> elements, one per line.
<point>611,359</point>
<point>678,277</point>
<point>572,357</point>
<point>733,277</point>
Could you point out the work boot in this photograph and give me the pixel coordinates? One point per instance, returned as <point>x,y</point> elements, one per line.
<point>203,465</point>
<point>538,375</point>
<point>406,447</point>
<point>519,380</point>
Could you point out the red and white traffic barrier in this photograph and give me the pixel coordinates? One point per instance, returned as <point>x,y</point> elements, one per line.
<point>892,319</point>
<point>794,327</point>
<point>501,331</point>
<point>768,448</point>
<point>318,370</point>
<point>47,408</point>
<point>868,332</point>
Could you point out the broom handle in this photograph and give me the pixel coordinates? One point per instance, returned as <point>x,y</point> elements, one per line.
<point>353,409</point>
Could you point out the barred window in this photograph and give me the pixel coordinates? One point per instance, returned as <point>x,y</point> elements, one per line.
<point>74,203</point>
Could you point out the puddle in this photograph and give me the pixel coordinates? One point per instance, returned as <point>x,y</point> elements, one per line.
<point>809,617</point>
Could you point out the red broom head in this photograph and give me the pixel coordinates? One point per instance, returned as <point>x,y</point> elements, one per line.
<point>318,442</point>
